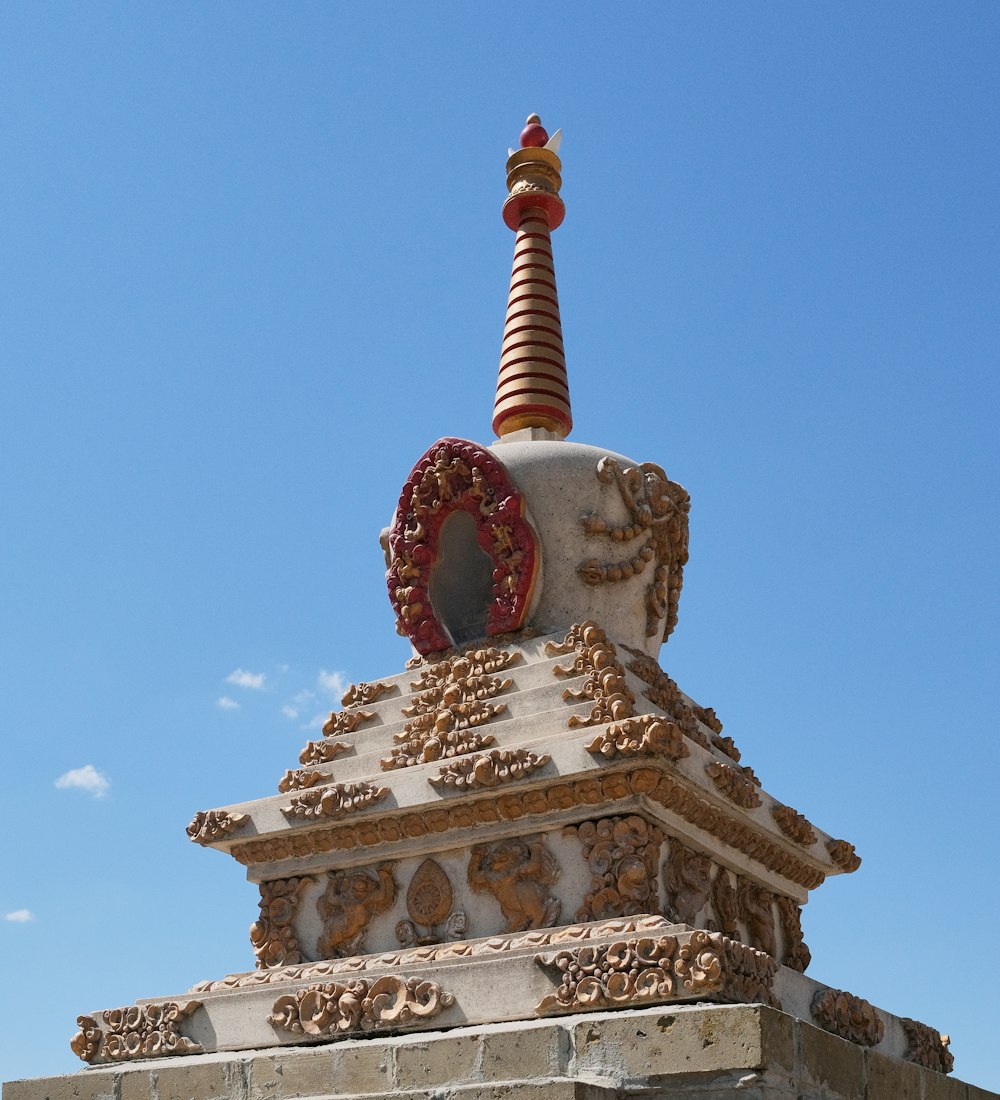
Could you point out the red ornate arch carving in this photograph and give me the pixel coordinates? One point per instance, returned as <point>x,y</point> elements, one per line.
<point>454,475</point>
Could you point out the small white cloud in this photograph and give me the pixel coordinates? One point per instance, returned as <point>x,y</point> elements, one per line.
<point>19,916</point>
<point>335,683</point>
<point>225,703</point>
<point>289,712</point>
<point>87,778</point>
<point>241,678</point>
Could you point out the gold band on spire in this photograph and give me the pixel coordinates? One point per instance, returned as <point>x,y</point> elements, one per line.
<point>532,388</point>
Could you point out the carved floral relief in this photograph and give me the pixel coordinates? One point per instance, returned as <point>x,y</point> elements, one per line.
<point>658,516</point>
<point>272,935</point>
<point>136,1031</point>
<point>687,881</point>
<point>429,905</point>
<point>848,1016</point>
<point>334,800</point>
<point>644,735</point>
<point>211,825</point>
<point>927,1047</point>
<point>623,854</point>
<point>491,769</point>
<point>518,873</point>
<point>595,658</point>
<point>794,825</point>
<point>357,695</point>
<point>738,784</point>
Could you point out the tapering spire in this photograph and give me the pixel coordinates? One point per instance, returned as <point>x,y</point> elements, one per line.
<point>532,389</point>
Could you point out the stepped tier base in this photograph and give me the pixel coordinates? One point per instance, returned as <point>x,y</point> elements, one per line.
<point>698,1052</point>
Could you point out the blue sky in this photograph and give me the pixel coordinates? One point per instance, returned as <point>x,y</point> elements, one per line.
<point>253,264</point>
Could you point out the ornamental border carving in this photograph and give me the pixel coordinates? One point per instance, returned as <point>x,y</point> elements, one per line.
<point>603,788</point>
<point>794,825</point>
<point>644,735</point>
<point>850,1017</point>
<point>334,800</point>
<point>208,826</point>
<point>490,769</point>
<point>927,1047</point>
<point>458,475</point>
<point>272,935</point>
<point>737,783</point>
<point>136,1031</point>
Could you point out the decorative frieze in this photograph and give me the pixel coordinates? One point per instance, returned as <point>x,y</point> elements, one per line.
<point>687,880</point>
<point>794,825</point>
<point>843,854</point>
<point>738,784</point>
<point>795,954</point>
<point>623,854</point>
<point>848,1016</point>
<point>349,904</point>
<point>362,695</point>
<point>334,800</point>
<point>332,1010</point>
<point>429,900</point>
<point>322,752</point>
<point>479,661</point>
<point>300,780</point>
<point>491,769</point>
<point>927,1047</point>
<point>656,969</point>
<point>658,515</point>
<point>136,1031</point>
<point>645,735</point>
<point>343,722</point>
<point>518,873</point>
<point>211,825</point>
<point>512,805</point>
<point>272,935</point>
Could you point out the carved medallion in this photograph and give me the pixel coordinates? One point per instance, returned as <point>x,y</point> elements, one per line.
<point>429,899</point>
<point>351,901</point>
<point>456,475</point>
<point>658,516</point>
<point>518,873</point>
<point>623,854</point>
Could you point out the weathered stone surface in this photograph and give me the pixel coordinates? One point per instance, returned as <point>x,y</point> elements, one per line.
<point>831,1063</point>
<point>892,1079</point>
<point>291,1073</point>
<point>87,1085</point>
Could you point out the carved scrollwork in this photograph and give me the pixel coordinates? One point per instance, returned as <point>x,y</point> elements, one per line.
<point>456,475</point>
<point>518,873</point>
<point>492,769</point>
<point>334,1009</point>
<point>360,695</point>
<point>794,825</point>
<point>322,752</point>
<point>136,1031</point>
<point>658,515</point>
<point>479,661</point>
<point>334,800</point>
<point>664,693</point>
<point>623,854</point>
<point>755,906</point>
<point>351,901</point>
<point>848,1016</point>
<point>843,854</point>
<point>927,1047</point>
<point>343,722</point>
<point>644,735</point>
<point>596,658</point>
<point>738,784</point>
<point>272,935</point>
<point>300,780</point>
<point>654,970</point>
<point>686,877</point>
<point>795,954</point>
<point>208,826</point>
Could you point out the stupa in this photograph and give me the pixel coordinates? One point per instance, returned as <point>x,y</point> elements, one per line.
<point>527,863</point>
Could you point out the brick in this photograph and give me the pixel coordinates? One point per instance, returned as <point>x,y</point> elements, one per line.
<point>892,1078</point>
<point>361,1065</point>
<point>194,1079</point>
<point>307,1071</point>
<point>423,1063</point>
<point>830,1062</point>
<point>88,1084</point>
<point>523,1052</point>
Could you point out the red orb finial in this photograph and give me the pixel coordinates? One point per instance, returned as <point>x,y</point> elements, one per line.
<point>533,136</point>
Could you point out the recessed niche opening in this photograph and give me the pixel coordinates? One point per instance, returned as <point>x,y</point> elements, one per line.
<point>461,582</point>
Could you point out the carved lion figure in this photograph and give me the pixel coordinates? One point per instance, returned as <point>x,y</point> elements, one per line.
<point>518,874</point>
<point>348,905</point>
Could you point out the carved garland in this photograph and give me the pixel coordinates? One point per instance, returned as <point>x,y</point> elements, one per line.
<point>208,826</point>
<point>331,1010</point>
<point>136,1031</point>
<point>652,970</point>
<point>848,1016</point>
<point>456,475</point>
<point>492,769</point>
<point>272,935</point>
<point>334,800</point>
<point>658,513</point>
<point>541,801</point>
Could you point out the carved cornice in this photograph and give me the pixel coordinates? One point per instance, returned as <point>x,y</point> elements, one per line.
<point>136,1031</point>
<point>654,970</point>
<point>738,784</point>
<point>848,1016</point>
<point>334,800</point>
<point>272,935</point>
<point>658,515</point>
<point>794,825</point>
<point>491,769</point>
<point>322,752</point>
<point>843,854</point>
<point>363,695</point>
<point>343,722</point>
<point>332,1010</point>
<point>211,825</point>
<point>645,735</point>
<point>300,780</point>
<point>927,1047</point>
<point>597,791</point>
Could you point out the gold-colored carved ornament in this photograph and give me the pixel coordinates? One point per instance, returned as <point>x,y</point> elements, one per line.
<point>351,901</point>
<point>136,1031</point>
<point>850,1017</point>
<point>334,800</point>
<point>644,735</point>
<point>491,769</point>
<point>687,881</point>
<point>210,825</point>
<point>623,854</point>
<point>518,873</point>
<point>737,783</point>
<point>794,825</point>
<point>272,935</point>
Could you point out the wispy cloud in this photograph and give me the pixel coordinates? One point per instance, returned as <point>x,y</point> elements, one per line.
<point>289,711</point>
<point>241,678</point>
<point>225,703</point>
<point>335,683</point>
<point>19,916</point>
<point>87,778</point>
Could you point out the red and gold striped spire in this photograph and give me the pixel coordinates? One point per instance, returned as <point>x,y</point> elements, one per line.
<point>532,389</point>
